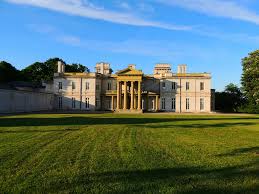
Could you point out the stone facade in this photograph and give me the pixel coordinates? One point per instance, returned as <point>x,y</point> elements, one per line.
<point>18,101</point>
<point>129,90</point>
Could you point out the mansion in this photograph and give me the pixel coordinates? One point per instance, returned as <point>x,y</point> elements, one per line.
<point>130,90</point>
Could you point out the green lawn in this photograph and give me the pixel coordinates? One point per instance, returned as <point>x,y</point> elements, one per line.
<point>112,153</point>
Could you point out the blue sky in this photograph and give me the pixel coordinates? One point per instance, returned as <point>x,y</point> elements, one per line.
<point>207,35</point>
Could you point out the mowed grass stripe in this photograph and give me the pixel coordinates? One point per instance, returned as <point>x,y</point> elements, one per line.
<point>150,153</point>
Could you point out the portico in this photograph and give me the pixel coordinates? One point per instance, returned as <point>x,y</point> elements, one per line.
<point>129,90</point>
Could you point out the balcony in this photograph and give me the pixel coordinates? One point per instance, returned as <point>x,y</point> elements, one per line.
<point>110,92</point>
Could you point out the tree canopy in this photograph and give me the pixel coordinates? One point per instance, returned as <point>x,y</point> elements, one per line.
<point>230,99</point>
<point>8,72</point>
<point>38,71</point>
<point>250,80</point>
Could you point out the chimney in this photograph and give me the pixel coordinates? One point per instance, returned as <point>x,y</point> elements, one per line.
<point>61,67</point>
<point>132,66</point>
<point>182,68</point>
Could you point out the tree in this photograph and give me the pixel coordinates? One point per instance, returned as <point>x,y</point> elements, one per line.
<point>8,72</point>
<point>230,100</point>
<point>76,67</point>
<point>37,72</point>
<point>250,80</point>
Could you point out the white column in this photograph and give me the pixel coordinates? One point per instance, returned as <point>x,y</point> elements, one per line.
<point>139,95</point>
<point>125,95</point>
<point>132,95</point>
<point>118,95</point>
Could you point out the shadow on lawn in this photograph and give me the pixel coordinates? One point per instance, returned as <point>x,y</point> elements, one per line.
<point>179,179</point>
<point>11,122</point>
<point>252,150</point>
<point>203,125</point>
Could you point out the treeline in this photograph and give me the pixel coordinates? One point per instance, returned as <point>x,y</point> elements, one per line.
<point>245,98</point>
<point>37,72</point>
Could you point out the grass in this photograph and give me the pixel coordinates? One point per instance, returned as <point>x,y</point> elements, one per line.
<point>111,153</point>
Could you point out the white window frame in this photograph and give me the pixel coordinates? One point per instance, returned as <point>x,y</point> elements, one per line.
<point>73,85</point>
<point>97,102</point>
<point>87,85</point>
<point>60,85</point>
<point>97,87</point>
<point>187,86</point>
<point>174,86</point>
<point>87,103</point>
<point>163,85</point>
<point>73,102</point>
<point>173,103</point>
<point>202,104</point>
<point>187,104</point>
<point>60,102</point>
<point>201,86</point>
<point>109,87</point>
<point>163,104</point>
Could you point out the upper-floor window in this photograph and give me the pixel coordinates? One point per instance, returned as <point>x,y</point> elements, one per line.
<point>187,103</point>
<point>163,85</point>
<point>187,85</point>
<point>73,85</point>
<point>201,103</point>
<point>97,87</point>
<point>87,86</point>
<point>60,85</point>
<point>109,85</point>
<point>174,85</point>
<point>201,85</point>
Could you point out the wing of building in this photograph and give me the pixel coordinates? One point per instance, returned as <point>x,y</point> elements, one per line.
<point>130,90</point>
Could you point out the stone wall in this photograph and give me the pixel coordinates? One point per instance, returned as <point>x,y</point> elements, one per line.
<point>15,101</point>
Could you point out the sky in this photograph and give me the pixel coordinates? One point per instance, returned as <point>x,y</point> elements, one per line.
<point>208,35</point>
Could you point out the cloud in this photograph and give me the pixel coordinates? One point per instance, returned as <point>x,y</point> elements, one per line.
<point>123,5</point>
<point>219,8</point>
<point>88,10</point>
<point>70,40</point>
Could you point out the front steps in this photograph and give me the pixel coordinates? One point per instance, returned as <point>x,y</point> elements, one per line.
<point>128,111</point>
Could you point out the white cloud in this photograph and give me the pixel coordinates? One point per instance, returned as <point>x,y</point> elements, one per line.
<point>85,9</point>
<point>219,8</point>
<point>70,40</point>
<point>123,5</point>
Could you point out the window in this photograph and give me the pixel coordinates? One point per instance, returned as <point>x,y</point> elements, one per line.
<point>109,85</point>
<point>202,86</point>
<point>201,103</point>
<point>60,102</point>
<point>108,102</point>
<point>87,103</point>
<point>73,85</point>
<point>163,85</point>
<point>174,85</point>
<point>60,85</point>
<point>163,103</point>
<point>87,86</point>
<point>73,103</point>
<point>187,85</point>
<point>173,103</point>
<point>97,87</point>
<point>187,103</point>
<point>97,102</point>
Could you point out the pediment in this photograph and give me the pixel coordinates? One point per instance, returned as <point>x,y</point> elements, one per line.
<point>129,71</point>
